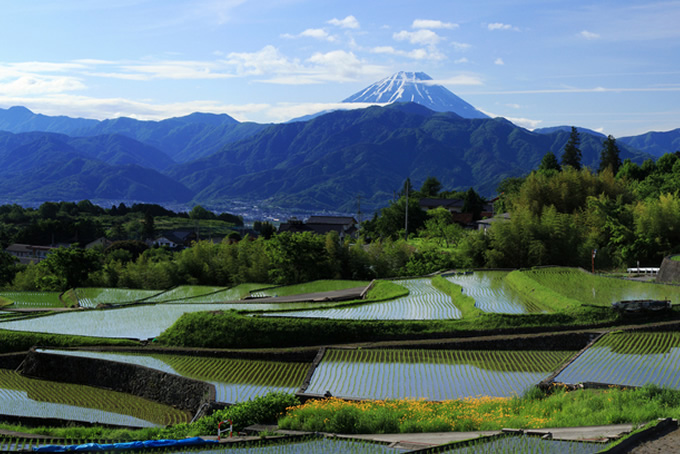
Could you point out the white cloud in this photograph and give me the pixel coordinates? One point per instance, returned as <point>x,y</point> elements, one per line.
<point>39,84</point>
<point>287,111</point>
<point>268,60</point>
<point>588,35</point>
<point>423,37</point>
<point>415,54</point>
<point>499,61</point>
<point>501,26</point>
<point>461,46</point>
<point>427,23</point>
<point>461,61</point>
<point>525,122</point>
<point>347,22</point>
<point>339,66</point>
<point>103,108</point>
<point>316,33</point>
<point>177,70</point>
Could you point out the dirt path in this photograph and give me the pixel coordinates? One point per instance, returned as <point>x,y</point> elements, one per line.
<point>668,443</point>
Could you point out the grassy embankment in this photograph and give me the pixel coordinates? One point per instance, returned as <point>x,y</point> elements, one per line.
<point>535,410</point>
<point>236,330</point>
<point>21,341</point>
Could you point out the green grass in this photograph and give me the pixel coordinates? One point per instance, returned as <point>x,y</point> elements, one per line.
<point>535,410</point>
<point>464,303</point>
<point>545,297</point>
<point>325,285</point>
<point>586,288</point>
<point>676,258</point>
<point>21,341</point>
<point>26,300</point>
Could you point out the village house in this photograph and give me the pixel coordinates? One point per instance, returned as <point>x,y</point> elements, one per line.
<point>321,225</point>
<point>27,253</point>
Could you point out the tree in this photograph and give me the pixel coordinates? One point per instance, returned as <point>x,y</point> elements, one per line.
<point>473,203</point>
<point>572,153</point>
<point>297,257</point>
<point>609,157</point>
<point>265,228</point>
<point>70,267</point>
<point>149,225</point>
<point>440,227</point>
<point>431,187</point>
<point>198,212</point>
<point>549,163</point>
<point>392,219</point>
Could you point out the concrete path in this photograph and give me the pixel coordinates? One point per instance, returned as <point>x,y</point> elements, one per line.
<point>412,441</point>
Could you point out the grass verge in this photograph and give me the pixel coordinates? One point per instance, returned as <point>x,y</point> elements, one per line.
<point>559,408</point>
<point>464,303</point>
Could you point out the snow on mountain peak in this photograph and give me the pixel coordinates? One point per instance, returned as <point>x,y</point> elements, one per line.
<point>405,86</point>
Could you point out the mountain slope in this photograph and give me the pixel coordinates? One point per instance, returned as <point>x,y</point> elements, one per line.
<point>415,87</point>
<point>327,162</point>
<point>113,149</point>
<point>655,143</point>
<point>45,166</point>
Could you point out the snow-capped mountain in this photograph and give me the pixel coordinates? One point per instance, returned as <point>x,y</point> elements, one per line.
<point>415,87</point>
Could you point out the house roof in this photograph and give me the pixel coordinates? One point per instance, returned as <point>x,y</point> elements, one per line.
<point>430,203</point>
<point>20,247</point>
<point>332,220</point>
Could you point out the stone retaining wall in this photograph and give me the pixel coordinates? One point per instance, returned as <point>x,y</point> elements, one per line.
<point>180,392</point>
<point>669,271</point>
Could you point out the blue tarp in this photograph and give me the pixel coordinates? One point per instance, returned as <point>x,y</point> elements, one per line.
<point>124,446</point>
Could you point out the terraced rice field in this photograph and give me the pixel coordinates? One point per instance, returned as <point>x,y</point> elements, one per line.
<point>183,292</point>
<point>424,302</point>
<point>526,444</point>
<point>91,297</point>
<point>21,396</point>
<point>599,290</point>
<point>135,322</point>
<point>324,285</point>
<point>201,294</point>
<point>431,374</point>
<point>30,300</point>
<point>235,380</point>
<point>315,446</point>
<point>629,359</point>
<point>492,294</point>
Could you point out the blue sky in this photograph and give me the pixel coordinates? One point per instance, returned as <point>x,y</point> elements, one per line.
<point>612,66</point>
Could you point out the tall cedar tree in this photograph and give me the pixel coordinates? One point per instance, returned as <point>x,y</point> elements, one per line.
<point>609,157</point>
<point>549,162</point>
<point>572,153</point>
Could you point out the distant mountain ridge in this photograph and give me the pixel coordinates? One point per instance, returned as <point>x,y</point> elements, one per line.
<point>181,138</point>
<point>324,163</point>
